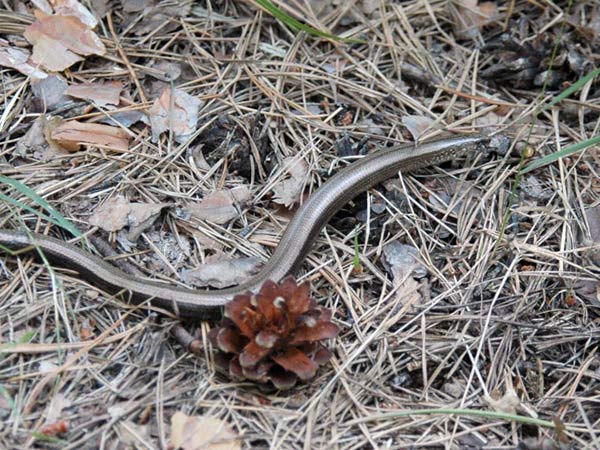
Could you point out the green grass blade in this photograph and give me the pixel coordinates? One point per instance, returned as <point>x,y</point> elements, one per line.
<point>299,26</point>
<point>574,87</point>
<point>356,261</point>
<point>56,217</point>
<point>561,154</point>
<point>461,412</point>
<point>21,205</point>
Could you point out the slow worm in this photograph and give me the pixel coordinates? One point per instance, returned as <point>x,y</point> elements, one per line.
<point>293,246</point>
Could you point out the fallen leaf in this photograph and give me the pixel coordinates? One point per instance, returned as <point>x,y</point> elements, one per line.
<point>125,118</point>
<point>287,192</point>
<point>141,217</point>
<point>509,403</point>
<point>50,92</point>
<point>111,215</point>
<point>59,41</point>
<point>417,125</point>
<point>163,15</point>
<point>20,60</point>
<point>100,93</point>
<point>403,264</point>
<point>117,213</point>
<point>223,273</point>
<point>470,16</point>
<point>220,206</point>
<point>202,433</point>
<point>34,138</point>
<point>176,111</point>
<point>74,8</point>
<point>53,148</point>
<point>99,8</point>
<point>42,5</point>
<point>70,135</point>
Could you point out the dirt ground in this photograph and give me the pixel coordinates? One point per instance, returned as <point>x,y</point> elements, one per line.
<point>467,294</point>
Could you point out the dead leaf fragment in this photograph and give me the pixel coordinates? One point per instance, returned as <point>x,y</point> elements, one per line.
<point>220,206</point>
<point>222,273</point>
<point>53,148</point>
<point>141,217</point>
<point>60,41</point>
<point>70,135</point>
<point>50,92</point>
<point>402,262</point>
<point>176,111</point>
<point>470,16</point>
<point>74,8</point>
<point>20,60</point>
<point>117,213</point>
<point>417,125</point>
<point>34,139</point>
<point>509,403</point>
<point>100,93</point>
<point>287,192</point>
<point>112,214</point>
<point>202,433</point>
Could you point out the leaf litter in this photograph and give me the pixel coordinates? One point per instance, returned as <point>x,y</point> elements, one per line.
<point>501,305</point>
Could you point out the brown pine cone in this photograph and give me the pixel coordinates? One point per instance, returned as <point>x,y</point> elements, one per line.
<point>273,336</point>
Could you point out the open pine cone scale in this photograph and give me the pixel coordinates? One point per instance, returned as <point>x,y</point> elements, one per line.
<point>274,336</point>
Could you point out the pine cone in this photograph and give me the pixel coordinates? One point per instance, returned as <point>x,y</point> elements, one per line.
<point>273,336</point>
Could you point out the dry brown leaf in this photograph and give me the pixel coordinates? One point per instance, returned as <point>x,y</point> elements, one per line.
<point>417,125</point>
<point>70,135</point>
<point>100,93</point>
<point>42,5</point>
<point>60,41</point>
<point>74,8</point>
<point>117,213</point>
<point>222,273</point>
<point>403,264</point>
<point>112,215</point>
<point>202,433</point>
<point>287,192</point>
<point>20,60</point>
<point>177,112</point>
<point>53,148</point>
<point>141,217</point>
<point>220,206</point>
<point>34,138</point>
<point>470,15</point>
<point>50,92</point>
<point>509,403</point>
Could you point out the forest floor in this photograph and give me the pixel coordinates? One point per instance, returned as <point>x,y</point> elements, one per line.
<point>467,294</point>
